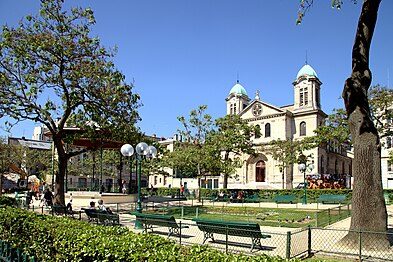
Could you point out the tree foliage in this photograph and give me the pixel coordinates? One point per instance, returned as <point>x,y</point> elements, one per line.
<point>53,72</point>
<point>286,153</point>
<point>229,140</point>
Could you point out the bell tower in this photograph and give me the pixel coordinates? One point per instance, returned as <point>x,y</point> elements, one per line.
<point>237,99</point>
<point>307,89</point>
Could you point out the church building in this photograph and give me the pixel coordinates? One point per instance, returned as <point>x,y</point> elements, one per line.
<point>294,122</point>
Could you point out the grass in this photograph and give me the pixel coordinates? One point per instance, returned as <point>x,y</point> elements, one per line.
<point>276,217</point>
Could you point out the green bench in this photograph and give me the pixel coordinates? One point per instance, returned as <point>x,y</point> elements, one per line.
<point>150,220</point>
<point>108,219</point>
<point>101,217</point>
<point>334,199</point>
<point>60,210</point>
<point>290,199</point>
<point>240,229</point>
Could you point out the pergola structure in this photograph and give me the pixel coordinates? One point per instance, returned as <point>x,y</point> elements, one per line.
<point>89,144</point>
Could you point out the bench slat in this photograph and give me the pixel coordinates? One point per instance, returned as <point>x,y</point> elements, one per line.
<point>241,229</point>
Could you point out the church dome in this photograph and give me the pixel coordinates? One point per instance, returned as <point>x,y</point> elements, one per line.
<point>238,89</point>
<point>306,70</point>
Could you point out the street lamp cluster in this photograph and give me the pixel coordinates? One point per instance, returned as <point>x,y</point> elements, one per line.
<point>303,167</point>
<point>143,151</point>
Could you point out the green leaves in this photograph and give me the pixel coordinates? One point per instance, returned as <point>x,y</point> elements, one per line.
<point>61,239</point>
<point>52,71</point>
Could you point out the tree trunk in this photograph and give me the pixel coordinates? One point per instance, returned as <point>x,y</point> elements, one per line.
<point>225,182</point>
<point>59,198</point>
<point>289,178</point>
<point>368,205</point>
<point>1,184</point>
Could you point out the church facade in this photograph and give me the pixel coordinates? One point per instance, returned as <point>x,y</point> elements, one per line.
<point>295,122</point>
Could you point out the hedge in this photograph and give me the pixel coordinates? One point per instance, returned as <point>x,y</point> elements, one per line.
<point>268,194</point>
<point>62,239</point>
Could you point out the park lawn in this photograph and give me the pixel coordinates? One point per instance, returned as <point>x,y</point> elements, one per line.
<point>276,217</point>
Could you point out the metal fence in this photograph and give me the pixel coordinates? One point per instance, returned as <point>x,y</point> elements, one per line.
<point>365,246</point>
<point>283,242</point>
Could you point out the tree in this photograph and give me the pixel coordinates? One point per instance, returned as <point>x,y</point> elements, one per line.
<point>285,152</point>
<point>367,192</point>
<point>54,73</point>
<point>190,155</point>
<point>381,107</point>
<point>231,139</point>
<point>7,155</point>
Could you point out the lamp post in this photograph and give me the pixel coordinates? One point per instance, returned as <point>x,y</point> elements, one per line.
<point>303,167</point>
<point>142,151</point>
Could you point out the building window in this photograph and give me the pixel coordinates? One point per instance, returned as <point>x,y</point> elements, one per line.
<point>267,130</point>
<point>155,180</point>
<point>257,131</point>
<point>388,142</point>
<point>260,171</point>
<point>336,167</point>
<point>82,182</point>
<point>343,168</point>
<point>303,98</point>
<point>327,165</point>
<point>165,180</point>
<point>302,128</point>
<point>390,165</point>
<point>215,183</point>
<point>322,165</point>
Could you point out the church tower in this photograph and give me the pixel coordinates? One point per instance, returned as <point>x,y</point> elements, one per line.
<point>307,89</point>
<point>237,99</point>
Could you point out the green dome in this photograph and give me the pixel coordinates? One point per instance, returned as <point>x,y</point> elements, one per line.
<point>238,89</point>
<point>306,70</point>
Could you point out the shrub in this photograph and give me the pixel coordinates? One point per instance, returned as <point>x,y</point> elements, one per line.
<point>61,239</point>
<point>8,201</point>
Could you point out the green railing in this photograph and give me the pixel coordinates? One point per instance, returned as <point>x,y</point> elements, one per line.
<point>11,254</point>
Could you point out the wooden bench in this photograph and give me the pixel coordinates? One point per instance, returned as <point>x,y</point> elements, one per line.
<point>148,220</point>
<point>241,229</point>
<point>334,199</point>
<point>285,199</point>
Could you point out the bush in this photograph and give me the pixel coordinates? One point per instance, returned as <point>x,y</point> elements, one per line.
<point>61,239</point>
<point>8,201</point>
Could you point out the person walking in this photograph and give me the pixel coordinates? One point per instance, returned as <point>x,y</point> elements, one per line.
<point>48,196</point>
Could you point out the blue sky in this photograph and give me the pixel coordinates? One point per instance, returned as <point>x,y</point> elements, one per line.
<point>183,53</point>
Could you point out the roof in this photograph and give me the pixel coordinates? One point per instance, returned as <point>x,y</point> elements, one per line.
<point>306,70</point>
<point>238,89</point>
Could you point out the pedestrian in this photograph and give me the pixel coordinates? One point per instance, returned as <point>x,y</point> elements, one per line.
<point>124,188</point>
<point>69,205</point>
<point>182,190</point>
<point>48,196</point>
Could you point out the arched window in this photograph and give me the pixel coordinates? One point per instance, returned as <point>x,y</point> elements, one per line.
<point>260,171</point>
<point>257,131</point>
<point>267,130</point>
<point>302,128</point>
<point>327,165</point>
<point>303,98</point>
<point>322,165</point>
